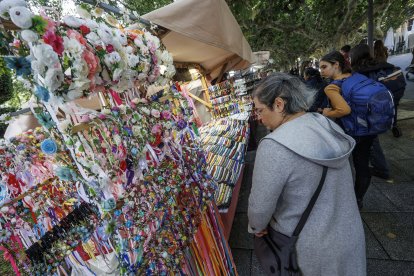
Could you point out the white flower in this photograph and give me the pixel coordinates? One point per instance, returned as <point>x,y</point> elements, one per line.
<point>146,110</point>
<point>132,60</point>
<point>122,108</point>
<point>21,17</point>
<point>83,13</point>
<point>117,139</point>
<point>29,36</point>
<point>93,38</point>
<point>129,50</point>
<point>170,71</point>
<point>91,24</point>
<point>166,57</point>
<point>6,5</point>
<point>144,50</point>
<point>106,111</point>
<point>150,38</point>
<point>117,74</point>
<point>45,54</point>
<point>112,58</point>
<point>105,76</point>
<point>53,79</point>
<point>111,20</point>
<point>73,22</point>
<point>105,33</point>
<point>64,125</point>
<point>121,37</point>
<point>38,68</point>
<point>72,46</point>
<point>138,41</point>
<point>142,77</point>
<point>136,130</point>
<point>74,94</point>
<point>97,12</point>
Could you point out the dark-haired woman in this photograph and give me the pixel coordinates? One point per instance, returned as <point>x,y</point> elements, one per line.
<point>314,81</point>
<point>363,63</point>
<point>380,51</point>
<point>333,66</point>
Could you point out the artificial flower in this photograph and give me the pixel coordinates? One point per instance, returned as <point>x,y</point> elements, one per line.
<point>64,125</point>
<point>117,74</point>
<point>6,5</point>
<point>72,46</point>
<point>121,37</point>
<point>84,29</point>
<point>45,120</point>
<point>21,17</point>
<point>20,64</point>
<point>97,12</point>
<point>83,12</point>
<point>65,174</point>
<point>76,35</point>
<point>53,79</point>
<point>45,54</point>
<point>155,113</point>
<point>93,38</point>
<point>156,129</point>
<point>91,24</point>
<point>48,146</point>
<point>112,58</point>
<point>110,48</point>
<point>73,22</point>
<point>55,41</point>
<point>29,36</point>
<point>133,60</point>
<point>105,33</point>
<point>166,115</point>
<point>42,93</point>
<point>39,24</point>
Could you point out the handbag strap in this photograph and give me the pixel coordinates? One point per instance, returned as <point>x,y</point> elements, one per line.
<point>306,214</point>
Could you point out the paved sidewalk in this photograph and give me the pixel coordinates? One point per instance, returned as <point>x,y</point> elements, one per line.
<point>388,212</point>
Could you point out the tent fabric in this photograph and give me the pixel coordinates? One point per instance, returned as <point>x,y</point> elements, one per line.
<point>203,32</point>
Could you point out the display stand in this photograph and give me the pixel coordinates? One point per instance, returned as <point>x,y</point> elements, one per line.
<point>228,218</point>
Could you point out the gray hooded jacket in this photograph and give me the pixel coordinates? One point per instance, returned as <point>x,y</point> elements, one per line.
<point>287,171</point>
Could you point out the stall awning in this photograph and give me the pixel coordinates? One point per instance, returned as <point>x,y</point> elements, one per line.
<point>203,32</point>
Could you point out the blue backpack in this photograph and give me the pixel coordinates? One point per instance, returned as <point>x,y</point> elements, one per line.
<point>372,106</point>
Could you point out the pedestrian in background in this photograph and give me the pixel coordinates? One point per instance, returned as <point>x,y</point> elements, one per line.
<point>333,66</point>
<point>313,80</point>
<point>380,52</point>
<point>288,168</point>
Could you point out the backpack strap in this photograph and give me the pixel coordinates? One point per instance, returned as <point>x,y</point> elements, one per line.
<point>308,209</point>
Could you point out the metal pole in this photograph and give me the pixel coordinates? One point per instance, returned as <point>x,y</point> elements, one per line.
<point>115,10</point>
<point>371,25</point>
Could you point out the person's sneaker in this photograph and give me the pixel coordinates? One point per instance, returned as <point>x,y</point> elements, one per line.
<point>380,174</point>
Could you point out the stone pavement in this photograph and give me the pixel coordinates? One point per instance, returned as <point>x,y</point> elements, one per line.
<point>388,212</point>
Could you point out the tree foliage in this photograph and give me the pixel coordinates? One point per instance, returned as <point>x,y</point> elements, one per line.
<point>6,83</point>
<point>301,28</point>
<point>144,6</point>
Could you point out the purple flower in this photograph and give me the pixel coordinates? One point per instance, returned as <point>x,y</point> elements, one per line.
<point>181,124</point>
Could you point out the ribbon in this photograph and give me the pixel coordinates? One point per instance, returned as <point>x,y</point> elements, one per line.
<point>115,97</point>
<point>9,257</point>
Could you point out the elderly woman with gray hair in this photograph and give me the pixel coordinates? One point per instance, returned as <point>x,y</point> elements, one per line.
<point>303,164</point>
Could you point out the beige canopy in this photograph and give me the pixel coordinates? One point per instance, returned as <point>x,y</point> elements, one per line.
<point>203,32</point>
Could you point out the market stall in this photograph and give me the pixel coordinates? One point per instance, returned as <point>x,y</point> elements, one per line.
<point>123,190</point>
<point>204,35</point>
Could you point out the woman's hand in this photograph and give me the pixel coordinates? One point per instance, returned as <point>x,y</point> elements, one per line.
<point>261,233</point>
<point>326,111</point>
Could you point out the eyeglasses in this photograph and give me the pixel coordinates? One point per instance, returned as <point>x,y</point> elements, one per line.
<point>259,110</point>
